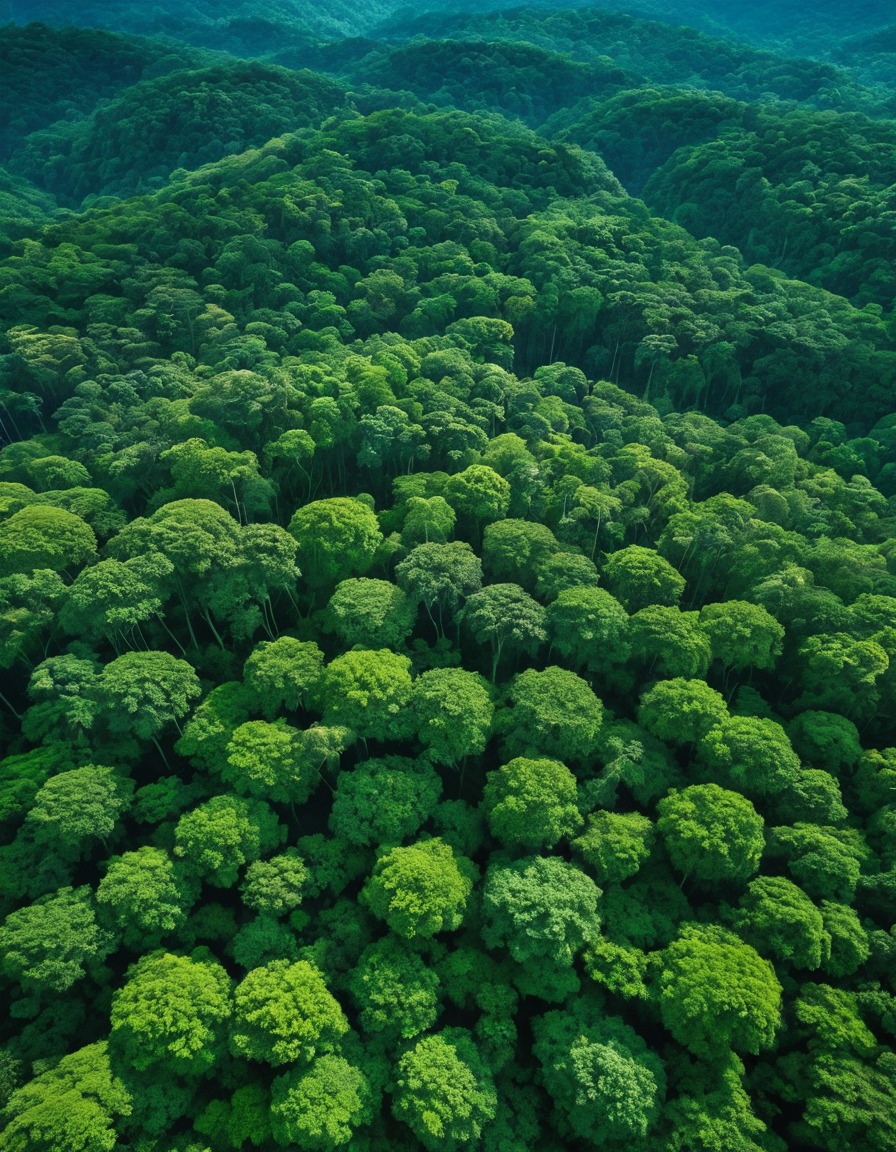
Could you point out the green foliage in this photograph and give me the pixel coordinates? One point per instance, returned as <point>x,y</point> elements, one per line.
<point>420,890</point>
<point>383,802</point>
<point>717,994</point>
<point>320,1108</point>
<point>780,919</point>
<point>452,714</point>
<point>553,712</point>
<point>275,886</point>
<point>503,615</point>
<point>283,674</point>
<point>601,1076</point>
<point>531,803</point>
<point>681,711</point>
<point>752,753</point>
<point>443,1090</point>
<point>367,692</point>
<point>711,834</point>
<point>540,908</point>
<point>397,994</point>
<point>75,807</point>
<point>126,146</point>
<point>269,761</point>
<point>42,537</point>
<point>614,845</point>
<point>639,576</point>
<point>283,1014</point>
<point>143,692</point>
<point>73,1106</point>
<point>337,538</point>
<point>588,627</point>
<point>742,635</point>
<point>393,420</point>
<point>143,897</point>
<point>370,614</point>
<point>47,946</point>
<point>172,1013</point>
<point>218,837</point>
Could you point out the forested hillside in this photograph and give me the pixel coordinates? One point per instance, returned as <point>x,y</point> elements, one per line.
<point>447,579</point>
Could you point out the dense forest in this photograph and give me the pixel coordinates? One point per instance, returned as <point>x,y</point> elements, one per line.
<point>447,577</point>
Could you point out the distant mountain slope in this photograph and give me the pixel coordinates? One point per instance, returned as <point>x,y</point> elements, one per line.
<point>50,73</point>
<point>515,79</point>
<point>679,56</point>
<point>197,20</point>
<point>179,121</point>
<point>791,25</point>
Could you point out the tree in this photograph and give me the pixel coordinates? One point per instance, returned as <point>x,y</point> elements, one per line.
<point>440,577</point>
<point>284,1014</point>
<point>451,711</point>
<point>504,616</point>
<point>22,775</point>
<point>216,838</point>
<point>826,862</point>
<point>262,940</point>
<point>717,993</point>
<point>531,803</point>
<point>143,897</point>
<point>478,495</point>
<point>713,1112</point>
<point>614,845</point>
<point>47,946</point>
<point>337,538</point>
<point>540,908</point>
<point>826,740</point>
<point>669,643</point>
<point>681,711</point>
<point>515,550</point>
<point>420,890</point>
<point>144,692</point>
<point>275,886</point>
<point>742,635</point>
<point>41,536</point>
<point>201,542</point>
<point>172,1013</point>
<point>370,614</point>
<point>28,611</point>
<point>113,598</point>
<point>779,919</point>
<point>208,731</point>
<point>75,1106</point>
<point>428,520</point>
<point>712,835</point>
<point>283,674</point>
<point>388,437</point>
<point>63,690</point>
<point>639,576</point>
<point>849,943</point>
<point>552,712</point>
<point>368,692</point>
<point>74,808</point>
<point>751,753</point>
<point>588,627</point>
<point>382,802</point>
<point>397,994</point>
<point>318,1109</point>
<point>605,1082</point>
<point>202,471</point>
<point>443,1091</point>
<point>841,1078</point>
<point>268,761</point>
<point>840,674</point>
